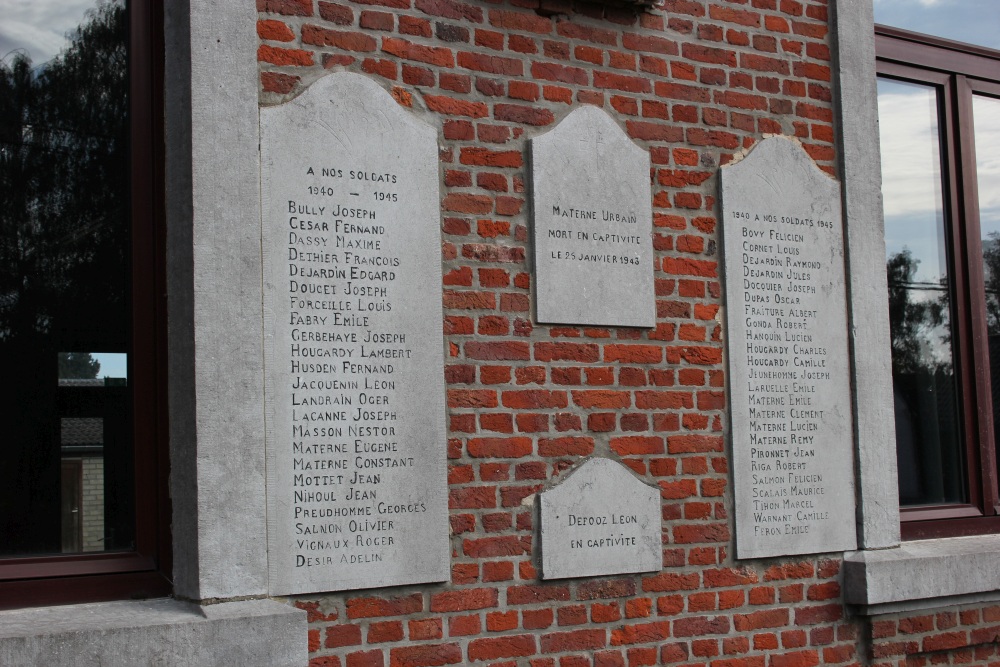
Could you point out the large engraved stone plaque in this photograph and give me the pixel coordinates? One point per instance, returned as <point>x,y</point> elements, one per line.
<point>600,520</point>
<point>356,479</point>
<point>786,330</point>
<point>591,202</point>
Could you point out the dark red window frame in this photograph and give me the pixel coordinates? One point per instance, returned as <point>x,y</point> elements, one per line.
<point>957,71</point>
<point>144,572</point>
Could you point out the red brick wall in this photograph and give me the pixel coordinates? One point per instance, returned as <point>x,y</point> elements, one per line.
<point>692,81</point>
<point>956,636</point>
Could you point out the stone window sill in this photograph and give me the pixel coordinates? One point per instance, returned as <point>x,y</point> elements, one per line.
<point>154,632</point>
<point>923,574</point>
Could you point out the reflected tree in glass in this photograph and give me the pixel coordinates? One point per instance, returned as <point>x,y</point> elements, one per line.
<point>925,387</point>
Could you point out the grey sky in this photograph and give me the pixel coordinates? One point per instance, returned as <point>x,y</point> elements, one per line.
<point>974,21</point>
<point>39,27</point>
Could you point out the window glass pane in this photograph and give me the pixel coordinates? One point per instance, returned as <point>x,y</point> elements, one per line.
<point>66,466</point>
<point>986,121</point>
<point>972,21</point>
<point>925,390</point>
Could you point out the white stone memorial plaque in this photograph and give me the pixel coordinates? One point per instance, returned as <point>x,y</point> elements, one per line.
<point>600,520</point>
<point>786,331</point>
<point>592,212</point>
<point>355,431</point>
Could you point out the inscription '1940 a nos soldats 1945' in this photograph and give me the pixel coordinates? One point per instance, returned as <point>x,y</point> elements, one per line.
<point>787,340</point>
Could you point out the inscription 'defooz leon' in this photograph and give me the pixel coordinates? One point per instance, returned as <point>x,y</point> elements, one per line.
<point>787,340</point>
<point>612,540</point>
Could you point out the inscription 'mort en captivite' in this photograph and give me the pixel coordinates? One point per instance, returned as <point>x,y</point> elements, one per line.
<point>353,342</point>
<point>787,340</point>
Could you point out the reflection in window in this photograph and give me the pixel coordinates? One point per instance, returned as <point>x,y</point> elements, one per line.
<point>972,21</point>
<point>925,391</point>
<point>66,467</point>
<point>986,122</point>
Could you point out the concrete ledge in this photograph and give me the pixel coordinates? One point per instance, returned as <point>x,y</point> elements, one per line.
<point>923,574</point>
<point>155,632</point>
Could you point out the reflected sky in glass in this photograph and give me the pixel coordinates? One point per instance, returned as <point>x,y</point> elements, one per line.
<point>38,27</point>
<point>986,118</point>
<point>972,21</point>
<point>911,176</point>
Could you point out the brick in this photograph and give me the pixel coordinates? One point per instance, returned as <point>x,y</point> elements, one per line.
<point>376,607</point>
<point>696,626</point>
<point>769,618</point>
<point>364,659</point>
<point>286,7</point>
<point>500,447</point>
<point>576,640</point>
<point>534,399</point>
<point>343,635</point>
<point>641,633</point>
<point>432,55</point>
<point>580,352</point>
<point>426,655</point>
<point>277,31</point>
<point>493,648</point>
<point>387,631</point>
<point>601,399</point>
<point>528,115</point>
<point>275,82</point>
<point>279,56</point>
<point>520,21</point>
<point>566,446</point>
<point>637,445</point>
<point>517,595</point>
<point>341,39</point>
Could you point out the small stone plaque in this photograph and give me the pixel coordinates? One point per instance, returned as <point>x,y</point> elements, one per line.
<point>591,202</point>
<point>600,520</point>
<point>789,382</point>
<point>354,380</point>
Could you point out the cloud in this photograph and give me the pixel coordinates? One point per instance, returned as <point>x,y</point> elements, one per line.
<point>972,21</point>
<point>39,27</point>
<point>911,160</point>
<point>911,175</point>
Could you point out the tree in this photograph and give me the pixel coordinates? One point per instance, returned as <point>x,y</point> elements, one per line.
<point>991,278</point>
<point>913,323</point>
<point>64,180</point>
<point>78,366</point>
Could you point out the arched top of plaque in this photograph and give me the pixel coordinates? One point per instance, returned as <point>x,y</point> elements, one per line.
<point>610,472</point>
<point>356,108</point>
<point>595,135</point>
<point>781,167</point>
